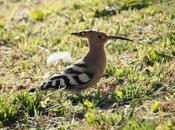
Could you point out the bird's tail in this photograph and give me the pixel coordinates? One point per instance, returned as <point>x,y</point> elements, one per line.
<point>46,85</point>
<point>55,82</point>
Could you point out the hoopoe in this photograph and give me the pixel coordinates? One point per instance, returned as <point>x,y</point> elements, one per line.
<point>87,71</point>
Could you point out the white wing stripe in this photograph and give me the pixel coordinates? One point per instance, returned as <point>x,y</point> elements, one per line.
<point>54,82</point>
<point>62,81</point>
<point>72,81</point>
<point>76,68</point>
<point>84,77</point>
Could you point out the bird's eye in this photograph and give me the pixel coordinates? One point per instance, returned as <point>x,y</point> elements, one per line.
<point>99,36</point>
<point>82,33</point>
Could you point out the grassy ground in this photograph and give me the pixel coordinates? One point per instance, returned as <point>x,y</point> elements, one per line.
<point>137,91</point>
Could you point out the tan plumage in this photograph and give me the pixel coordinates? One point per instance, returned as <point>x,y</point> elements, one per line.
<point>87,71</point>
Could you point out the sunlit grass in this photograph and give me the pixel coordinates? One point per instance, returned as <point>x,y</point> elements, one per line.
<point>137,89</point>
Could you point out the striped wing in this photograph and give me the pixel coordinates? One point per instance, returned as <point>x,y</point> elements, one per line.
<point>74,76</point>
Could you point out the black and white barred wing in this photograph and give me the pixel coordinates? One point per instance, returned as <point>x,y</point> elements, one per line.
<point>73,77</point>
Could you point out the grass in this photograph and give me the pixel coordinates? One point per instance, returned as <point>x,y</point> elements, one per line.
<point>137,90</point>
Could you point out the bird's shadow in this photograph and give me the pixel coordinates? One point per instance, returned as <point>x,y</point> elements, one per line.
<point>97,99</point>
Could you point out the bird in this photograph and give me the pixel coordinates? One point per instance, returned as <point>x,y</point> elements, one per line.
<point>87,71</point>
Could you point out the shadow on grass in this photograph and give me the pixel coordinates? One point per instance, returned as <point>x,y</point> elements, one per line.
<point>135,4</point>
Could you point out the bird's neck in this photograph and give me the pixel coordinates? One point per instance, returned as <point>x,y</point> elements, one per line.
<point>96,54</point>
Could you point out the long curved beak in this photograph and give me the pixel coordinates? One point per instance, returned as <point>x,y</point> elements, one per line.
<point>119,38</point>
<point>79,34</point>
<point>76,34</point>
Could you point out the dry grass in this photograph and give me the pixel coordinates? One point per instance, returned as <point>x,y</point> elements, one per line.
<point>137,90</point>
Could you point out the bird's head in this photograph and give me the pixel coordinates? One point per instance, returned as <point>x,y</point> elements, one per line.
<point>97,36</point>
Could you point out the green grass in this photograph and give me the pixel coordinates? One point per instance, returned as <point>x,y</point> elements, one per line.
<point>137,91</point>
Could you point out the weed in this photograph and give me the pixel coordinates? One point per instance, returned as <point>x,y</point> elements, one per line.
<point>8,113</point>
